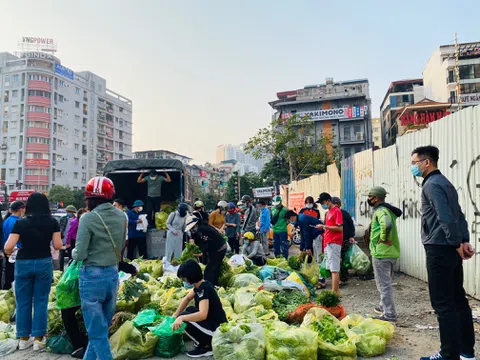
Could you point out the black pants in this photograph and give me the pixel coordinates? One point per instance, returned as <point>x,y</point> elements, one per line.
<point>152,207</point>
<point>445,283</point>
<point>343,269</point>
<point>72,328</point>
<point>259,260</point>
<point>9,274</point>
<point>200,332</point>
<point>212,271</point>
<point>234,244</point>
<point>132,245</point>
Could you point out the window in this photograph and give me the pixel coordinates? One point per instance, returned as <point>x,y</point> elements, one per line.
<point>77,91</point>
<point>5,96</point>
<point>11,172</point>
<point>75,175</point>
<point>77,118</point>
<point>61,83</point>
<point>470,88</point>
<point>44,156</point>
<point>453,97</point>
<point>14,93</point>
<point>77,104</point>
<point>77,132</point>
<point>13,124</point>
<point>11,187</point>
<point>77,146</point>
<point>346,152</point>
<point>60,98</point>
<point>75,161</point>
<point>15,78</point>
<point>346,132</point>
<point>37,172</point>
<point>13,141</point>
<point>31,92</point>
<point>13,156</point>
<point>37,140</point>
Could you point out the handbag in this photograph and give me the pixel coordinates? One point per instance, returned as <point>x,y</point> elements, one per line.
<point>109,235</point>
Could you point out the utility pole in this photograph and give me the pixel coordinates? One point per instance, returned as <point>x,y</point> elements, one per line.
<point>457,74</point>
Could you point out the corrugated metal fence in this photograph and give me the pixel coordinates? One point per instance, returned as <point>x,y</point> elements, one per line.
<point>458,138</point>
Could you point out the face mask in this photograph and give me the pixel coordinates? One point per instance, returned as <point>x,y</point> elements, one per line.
<point>182,212</point>
<point>371,202</point>
<point>140,208</point>
<point>186,285</point>
<point>69,215</point>
<point>231,211</point>
<point>416,170</point>
<point>294,223</point>
<point>324,206</point>
<point>309,206</point>
<point>247,242</point>
<point>153,177</point>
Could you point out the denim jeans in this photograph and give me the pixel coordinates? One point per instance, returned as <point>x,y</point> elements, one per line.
<point>98,292</point>
<point>280,244</point>
<point>33,280</point>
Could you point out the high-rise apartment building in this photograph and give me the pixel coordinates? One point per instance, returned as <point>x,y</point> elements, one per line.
<point>161,154</point>
<point>245,162</point>
<point>57,126</point>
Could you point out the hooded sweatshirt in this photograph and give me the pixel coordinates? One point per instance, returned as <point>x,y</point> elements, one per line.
<point>384,228</point>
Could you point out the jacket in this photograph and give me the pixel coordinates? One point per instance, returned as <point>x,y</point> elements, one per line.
<point>384,228</point>
<point>443,222</point>
<point>312,212</point>
<point>94,246</point>
<point>251,218</point>
<point>133,233</point>
<point>234,218</point>
<point>264,220</point>
<point>253,249</point>
<point>348,227</point>
<point>308,232</point>
<point>72,231</point>
<point>281,225</point>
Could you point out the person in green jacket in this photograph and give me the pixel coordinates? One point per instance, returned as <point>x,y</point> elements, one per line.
<point>279,225</point>
<point>384,249</point>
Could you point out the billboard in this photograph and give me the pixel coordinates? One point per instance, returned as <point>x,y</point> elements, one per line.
<point>265,192</point>
<point>349,112</point>
<point>296,201</point>
<point>64,71</point>
<point>37,162</point>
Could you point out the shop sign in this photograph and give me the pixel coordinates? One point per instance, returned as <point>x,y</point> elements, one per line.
<point>296,201</point>
<point>20,195</point>
<point>64,71</point>
<point>37,162</point>
<point>265,192</point>
<point>37,55</point>
<point>423,117</point>
<point>470,98</point>
<point>349,112</point>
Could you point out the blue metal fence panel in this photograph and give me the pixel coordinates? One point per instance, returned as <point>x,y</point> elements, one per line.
<point>348,185</point>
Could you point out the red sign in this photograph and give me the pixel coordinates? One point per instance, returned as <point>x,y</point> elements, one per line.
<point>296,201</point>
<point>423,117</point>
<point>20,195</point>
<point>37,162</point>
<point>203,173</point>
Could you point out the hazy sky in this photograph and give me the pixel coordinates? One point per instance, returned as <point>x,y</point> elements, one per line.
<point>200,72</point>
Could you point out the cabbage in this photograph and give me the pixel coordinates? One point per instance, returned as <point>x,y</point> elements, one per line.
<point>286,343</point>
<point>245,298</point>
<point>244,280</point>
<point>243,341</point>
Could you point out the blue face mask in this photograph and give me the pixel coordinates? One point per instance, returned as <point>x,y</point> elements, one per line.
<point>416,170</point>
<point>247,242</point>
<point>294,223</point>
<point>186,285</point>
<point>324,206</point>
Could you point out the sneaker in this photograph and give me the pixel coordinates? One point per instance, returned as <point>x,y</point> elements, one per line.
<point>199,352</point>
<point>25,344</point>
<point>379,310</point>
<point>437,356</point>
<point>467,357</point>
<point>79,353</point>
<point>383,318</point>
<point>39,345</point>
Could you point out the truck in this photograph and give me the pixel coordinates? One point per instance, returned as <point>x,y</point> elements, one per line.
<point>124,174</point>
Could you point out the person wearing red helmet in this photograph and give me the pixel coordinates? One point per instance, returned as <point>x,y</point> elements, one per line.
<point>100,239</point>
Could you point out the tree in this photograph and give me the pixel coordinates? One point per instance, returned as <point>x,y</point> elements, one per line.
<point>210,200</point>
<point>79,199</point>
<point>276,170</point>
<point>61,194</point>
<point>295,142</point>
<point>248,182</point>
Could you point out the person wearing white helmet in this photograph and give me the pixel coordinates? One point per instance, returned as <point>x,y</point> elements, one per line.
<point>199,211</point>
<point>217,217</point>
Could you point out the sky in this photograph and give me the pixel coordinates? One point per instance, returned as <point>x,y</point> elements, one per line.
<point>200,72</point>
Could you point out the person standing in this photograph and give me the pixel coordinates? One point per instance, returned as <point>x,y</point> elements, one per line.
<point>384,249</point>
<point>17,209</point>
<point>100,239</point>
<point>33,269</point>
<point>251,216</point>
<point>333,238</point>
<point>65,222</point>
<point>265,224</point>
<point>154,193</point>
<point>348,237</point>
<point>446,239</point>
<point>232,222</point>
<point>176,228</point>
<point>217,217</point>
<point>310,208</point>
<point>120,205</point>
<point>199,211</point>
<point>279,224</point>
<point>72,233</point>
<point>308,230</point>
<point>136,238</point>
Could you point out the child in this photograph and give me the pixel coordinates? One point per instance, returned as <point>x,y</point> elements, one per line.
<point>253,250</point>
<point>206,316</point>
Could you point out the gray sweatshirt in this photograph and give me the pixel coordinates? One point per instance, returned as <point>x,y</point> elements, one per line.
<point>253,249</point>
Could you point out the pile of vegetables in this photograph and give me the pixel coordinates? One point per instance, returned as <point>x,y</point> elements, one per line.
<point>328,299</point>
<point>189,252</point>
<point>286,301</point>
<point>295,262</point>
<point>289,342</point>
<point>280,262</point>
<point>243,341</point>
<point>245,280</point>
<point>246,298</point>
<point>7,305</point>
<point>358,260</point>
<point>152,267</point>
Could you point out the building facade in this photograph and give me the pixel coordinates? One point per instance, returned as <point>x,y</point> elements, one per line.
<point>377,133</point>
<point>244,162</point>
<point>399,94</point>
<point>58,127</point>
<point>340,110</point>
<point>161,154</point>
<point>440,78</point>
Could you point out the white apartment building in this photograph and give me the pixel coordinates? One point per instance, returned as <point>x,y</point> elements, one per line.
<point>440,80</point>
<point>57,126</point>
<point>244,162</point>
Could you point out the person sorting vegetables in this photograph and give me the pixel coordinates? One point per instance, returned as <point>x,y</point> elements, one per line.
<point>253,250</point>
<point>207,314</point>
<point>213,244</point>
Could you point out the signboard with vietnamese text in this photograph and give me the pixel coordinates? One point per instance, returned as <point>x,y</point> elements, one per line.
<point>265,192</point>
<point>37,162</point>
<point>203,173</point>
<point>421,118</point>
<point>64,71</point>
<point>350,112</point>
<point>20,195</point>
<point>470,98</point>
<point>296,201</point>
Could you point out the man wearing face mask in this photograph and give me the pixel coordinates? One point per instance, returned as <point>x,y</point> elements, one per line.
<point>333,238</point>
<point>154,194</point>
<point>176,228</point>
<point>232,222</point>
<point>280,228</point>
<point>251,216</point>
<point>136,238</point>
<point>64,226</point>
<point>264,229</point>
<point>385,249</point>
<point>446,239</point>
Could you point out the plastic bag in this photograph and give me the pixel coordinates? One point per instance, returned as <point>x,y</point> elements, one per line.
<point>243,341</point>
<point>296,278</point>
<point>129,343</point>
<point>359,260</point>
<point>297,315</point>
<point>67,290</point>
<point>280,262</point>
<point>244,280</point>
<point>310,271</point>
<point>169,268</point>
<point>337,341</point>
<point>170,343</point>
<point>287,342</point>
<point>236,260</point>
<point>324,272</point>
<point>170,299</point>
<point>7,305</point>
<point>59,344</point>
<point>246,298</point>
<point>8,346</point>
<point>272,273</point>
<point>7,331</point>
<point>373,334</point>
<point>145,317</point>
<point>276,285</point>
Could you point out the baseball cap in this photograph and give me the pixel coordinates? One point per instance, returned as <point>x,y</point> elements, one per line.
<point>378,191</point>
<point>336,200</point>
<point>324,197</point>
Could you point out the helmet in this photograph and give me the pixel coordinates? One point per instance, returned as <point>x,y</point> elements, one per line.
<point>277,200</point>
<point>100,187</point>
<point>198,204</point>
<point>239,204</point>
<point>246,198</point>
<point>222,204</point>
<point>231,205</point>
<point>249,236</point>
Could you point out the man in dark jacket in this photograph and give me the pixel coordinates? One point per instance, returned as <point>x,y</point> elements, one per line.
<point>446,240</point>
<point>348,236</point>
